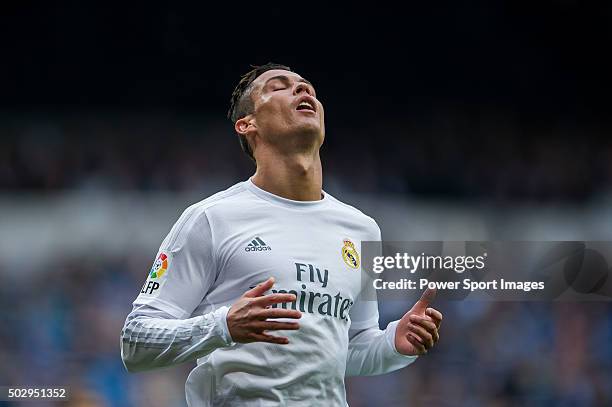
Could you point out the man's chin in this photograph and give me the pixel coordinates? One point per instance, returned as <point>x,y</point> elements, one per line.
<point>309,128</point>
<point>309,132</point>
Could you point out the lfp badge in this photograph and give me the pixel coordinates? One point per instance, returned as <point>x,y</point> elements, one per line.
<point>159,266</point>
<point>349,254</point>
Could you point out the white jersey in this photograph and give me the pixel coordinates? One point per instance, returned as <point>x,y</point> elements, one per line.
<point>227,244</point>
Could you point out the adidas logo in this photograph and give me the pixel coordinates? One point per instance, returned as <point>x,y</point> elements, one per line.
<point>257,245</point>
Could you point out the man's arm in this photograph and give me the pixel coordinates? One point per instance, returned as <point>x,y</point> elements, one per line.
<point>152,338</point>
<point>373,351</point>
<point>161,329</point>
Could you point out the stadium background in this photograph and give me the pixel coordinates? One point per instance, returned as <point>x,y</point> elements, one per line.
<point>480,120</point>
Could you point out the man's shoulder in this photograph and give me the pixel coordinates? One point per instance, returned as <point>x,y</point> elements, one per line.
<point>353,212</point>
<point>196,217</point>
<point>223,199</point>
<point>233,193</point>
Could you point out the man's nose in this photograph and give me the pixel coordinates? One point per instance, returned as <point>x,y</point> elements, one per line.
<point>301,87</point>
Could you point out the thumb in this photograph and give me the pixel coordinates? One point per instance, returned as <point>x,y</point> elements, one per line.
<point>260,288</point>
<point>427,298</point>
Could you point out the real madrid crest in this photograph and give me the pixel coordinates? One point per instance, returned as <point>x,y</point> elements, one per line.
<point>350,255</point>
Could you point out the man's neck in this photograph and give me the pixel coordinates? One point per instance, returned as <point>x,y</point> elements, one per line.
<point>298,177</point>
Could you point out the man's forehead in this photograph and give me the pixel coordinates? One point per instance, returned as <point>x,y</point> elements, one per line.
<point>261,79</point>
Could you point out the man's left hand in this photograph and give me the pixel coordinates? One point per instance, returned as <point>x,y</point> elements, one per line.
<point>417,331</point>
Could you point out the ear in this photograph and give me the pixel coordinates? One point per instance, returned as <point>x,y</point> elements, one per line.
<point>246,125</point>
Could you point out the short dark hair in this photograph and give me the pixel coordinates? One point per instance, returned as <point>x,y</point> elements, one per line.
<point>241,103</point>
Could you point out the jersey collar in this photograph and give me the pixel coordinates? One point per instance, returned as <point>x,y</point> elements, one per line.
<point>289,203</point>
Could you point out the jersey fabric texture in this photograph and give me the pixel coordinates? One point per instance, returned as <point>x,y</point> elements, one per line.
<point>225,245</point>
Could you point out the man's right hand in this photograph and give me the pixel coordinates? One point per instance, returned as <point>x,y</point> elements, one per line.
<point>247,318</point>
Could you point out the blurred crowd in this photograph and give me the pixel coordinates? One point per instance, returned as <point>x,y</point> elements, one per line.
<point>447,155</point>
<point>63,330</point>
<point>64,324</point>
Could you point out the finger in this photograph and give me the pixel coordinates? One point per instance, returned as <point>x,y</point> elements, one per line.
<point>262,337</point>
<point>427,298</point>
<point>435,315</point>
<point>260,288</point>
<point>420,348</point>
<point>275,326</point>
<point>279,313</point>
<point>429,327</point>
<point>425,337</point>
<point>425,323</point>
<point>414,337</point>
<point>270,299</point>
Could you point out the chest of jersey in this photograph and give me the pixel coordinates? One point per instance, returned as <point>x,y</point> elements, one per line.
<point>317,258</point>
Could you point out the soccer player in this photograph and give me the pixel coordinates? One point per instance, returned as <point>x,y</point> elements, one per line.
<point>260,282</point>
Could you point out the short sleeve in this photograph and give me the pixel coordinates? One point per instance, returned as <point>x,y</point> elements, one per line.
<point>184,268</point>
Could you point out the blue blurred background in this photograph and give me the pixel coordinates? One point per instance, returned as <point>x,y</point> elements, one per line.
<point>473,121</point>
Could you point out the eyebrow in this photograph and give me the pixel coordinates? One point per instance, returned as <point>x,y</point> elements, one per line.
<point>285,78</point>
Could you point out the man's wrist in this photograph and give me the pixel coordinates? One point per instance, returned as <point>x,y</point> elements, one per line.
<point>390,337</point>
<point>220,315</point>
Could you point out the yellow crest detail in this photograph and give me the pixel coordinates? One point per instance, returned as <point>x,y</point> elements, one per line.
<point>350,255</point>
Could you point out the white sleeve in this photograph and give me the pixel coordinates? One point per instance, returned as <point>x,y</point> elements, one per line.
<point>184,269</point>
<point>151,338</point>
<point>371,350</point>
<point>157,332</point>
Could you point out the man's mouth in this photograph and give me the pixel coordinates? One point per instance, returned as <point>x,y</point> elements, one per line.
<point>306,104</point>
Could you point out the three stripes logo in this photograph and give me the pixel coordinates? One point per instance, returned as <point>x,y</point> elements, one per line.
<point>257,245</point>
